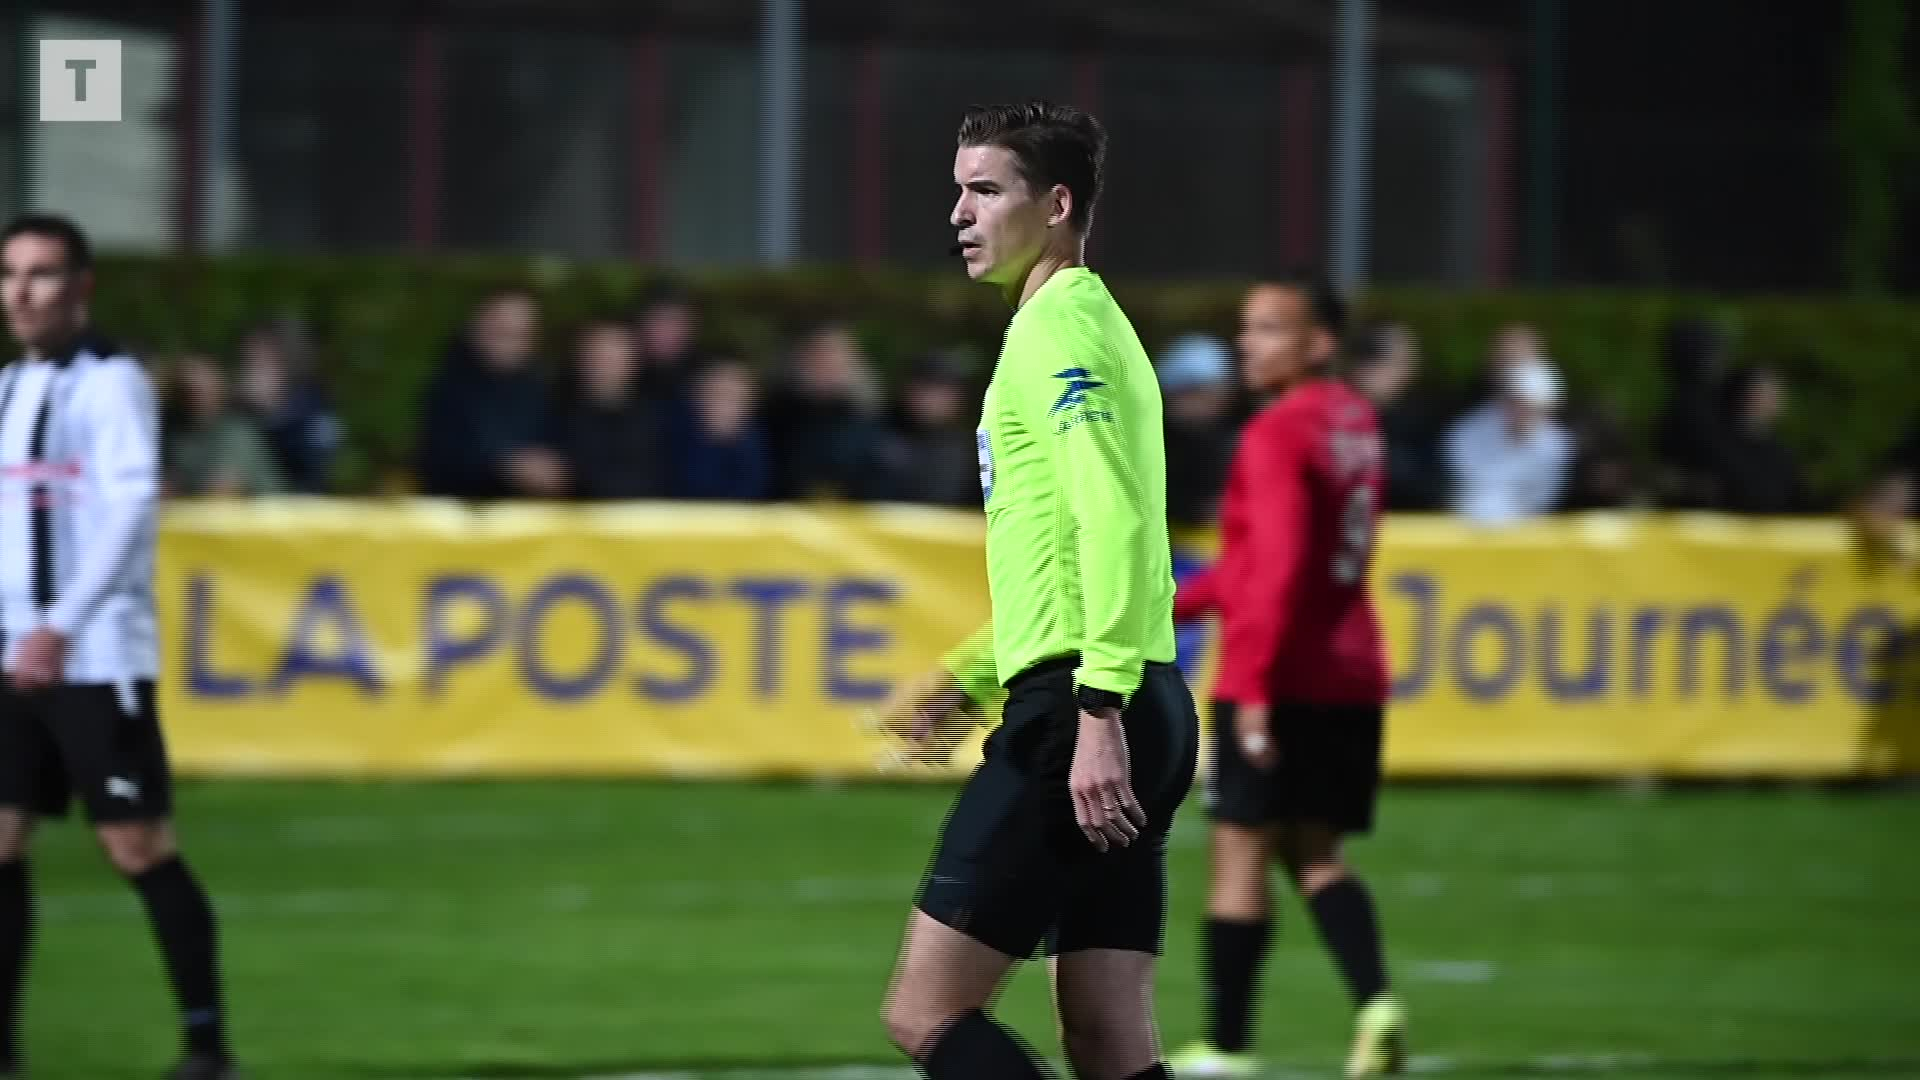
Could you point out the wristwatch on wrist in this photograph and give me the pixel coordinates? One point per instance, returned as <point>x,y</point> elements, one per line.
<point>1093,699</point>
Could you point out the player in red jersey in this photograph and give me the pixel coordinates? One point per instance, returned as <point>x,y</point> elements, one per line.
<point>1299,702</point>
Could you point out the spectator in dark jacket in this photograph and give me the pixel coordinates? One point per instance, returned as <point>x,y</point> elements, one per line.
<point>278,390</point>
<point>609,434</point>
<point>1690,427</point>
<point>1383,363</point>
<point>725,457</point>
<point>829,441</point>
<point>1754,470</point>
<point>1196,381</point>
<point>487,430</point>
<point>667,328</point>
<point>936,455</point>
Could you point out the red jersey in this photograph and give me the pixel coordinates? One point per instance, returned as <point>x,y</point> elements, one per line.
<point>1292,583</point>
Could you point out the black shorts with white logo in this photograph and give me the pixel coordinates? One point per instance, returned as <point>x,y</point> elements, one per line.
<point>1013,868</point>
<point>99,741</point>
<point>1328,770</point>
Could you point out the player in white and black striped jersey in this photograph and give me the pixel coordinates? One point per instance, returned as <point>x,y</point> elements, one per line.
<point>79,493</point>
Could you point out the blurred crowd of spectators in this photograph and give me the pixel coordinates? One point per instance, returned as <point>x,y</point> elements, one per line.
<point>638,410</point>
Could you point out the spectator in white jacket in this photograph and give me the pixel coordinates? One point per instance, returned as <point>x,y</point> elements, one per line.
<point>1508,460</point>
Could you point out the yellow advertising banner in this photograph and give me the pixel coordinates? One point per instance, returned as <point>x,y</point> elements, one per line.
<point>423,639</point>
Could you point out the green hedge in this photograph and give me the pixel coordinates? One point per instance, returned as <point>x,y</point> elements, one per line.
<point>383,323</point>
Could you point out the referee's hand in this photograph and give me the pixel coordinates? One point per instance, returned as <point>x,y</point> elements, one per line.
<point>1102,782</point>
<point>930,716</point>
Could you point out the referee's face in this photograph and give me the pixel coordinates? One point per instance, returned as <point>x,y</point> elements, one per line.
<point>1002,225</point>
<point>45,298</point>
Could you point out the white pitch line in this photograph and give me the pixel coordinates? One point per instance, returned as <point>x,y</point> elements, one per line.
<point>1456,972</point>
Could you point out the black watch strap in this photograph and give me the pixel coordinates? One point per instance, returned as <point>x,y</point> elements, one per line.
<point>1092,697</point>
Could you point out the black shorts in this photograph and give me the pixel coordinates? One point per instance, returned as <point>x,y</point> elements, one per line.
<point>1013,868</point>
<point>99,741</point>
<point>1328,773</point>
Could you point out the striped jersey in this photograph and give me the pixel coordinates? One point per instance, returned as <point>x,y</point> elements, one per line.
<point>79,494</point>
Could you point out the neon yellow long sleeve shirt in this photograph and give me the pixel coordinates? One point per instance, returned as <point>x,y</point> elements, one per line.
<point>1073,467</point>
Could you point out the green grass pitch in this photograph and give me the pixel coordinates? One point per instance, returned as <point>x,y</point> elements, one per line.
<point>697,930</point>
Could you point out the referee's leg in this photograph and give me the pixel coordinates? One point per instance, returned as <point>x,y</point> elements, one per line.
<point>936,1010</point>
<point>1112,928</point>
<point>985,904</point>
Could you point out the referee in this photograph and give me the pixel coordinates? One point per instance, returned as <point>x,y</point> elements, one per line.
<point>79,483</point>
<point>1060,835</point>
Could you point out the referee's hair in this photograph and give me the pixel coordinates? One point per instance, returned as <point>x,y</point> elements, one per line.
<point>1324,302</point>
<point>1050,143</point>
<point>54,227</point>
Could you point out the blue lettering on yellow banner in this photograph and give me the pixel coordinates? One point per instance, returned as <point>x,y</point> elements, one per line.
<point>327,611</point>
<point>601,660</point>
<point>446,651</point>
<point>202,678</point>
<point>698,652</point>
<point>703,643</point>
<point>1488,653</point>
<point>468,619</point>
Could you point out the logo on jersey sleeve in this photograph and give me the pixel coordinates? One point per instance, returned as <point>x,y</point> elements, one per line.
<point>1074,398</point>
<point>1079,381</point>
<point>986,464</point>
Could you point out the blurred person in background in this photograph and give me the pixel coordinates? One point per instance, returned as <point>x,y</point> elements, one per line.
<point>1513,344</point>
<point>214,450</point>
<point>667,328</point>
<point>1196,381</point>
<point>725,458</point>
<point>609,433</point>
<point>1604,475</point>
<point>1509,459</point>
<point>79,712</point>
<point>936,456</point>
<point>829,441</point>
<point>1887,507</point>
<point>1383,363</point>
<point>1686,435</point>
<point>486,433</point>
<point>1299,702</point>
<point>277,389</point>
<point>1754,471</point>
<point>1883,516</point>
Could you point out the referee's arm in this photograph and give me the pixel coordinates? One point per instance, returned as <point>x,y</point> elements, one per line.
<point>972,666</point>
<point>1100,476</point>
<point>122,455</point>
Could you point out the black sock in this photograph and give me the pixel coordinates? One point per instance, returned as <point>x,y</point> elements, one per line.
<point>1344,913</point>
<point>183,922</point>
<point>1158,1072</point>
<point>1235,952</point>
<point>16,933</point>
<point>974,1046</point>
